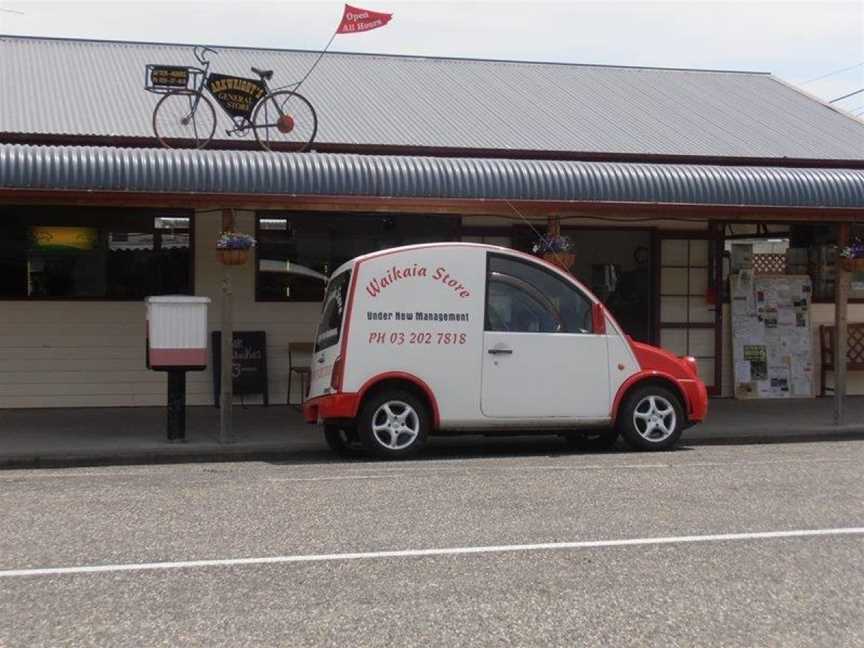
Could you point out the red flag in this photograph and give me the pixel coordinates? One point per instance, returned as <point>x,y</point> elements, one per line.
<point>356,20</point>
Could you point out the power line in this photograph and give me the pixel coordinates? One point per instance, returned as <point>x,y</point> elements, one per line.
<point>832,73</point>
<point>846,96</point>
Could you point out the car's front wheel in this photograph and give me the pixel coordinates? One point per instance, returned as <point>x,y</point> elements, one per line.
<point>393,424</point>
<point>651,418</point>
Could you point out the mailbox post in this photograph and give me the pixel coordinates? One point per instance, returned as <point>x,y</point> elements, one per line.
<point>177,343</point>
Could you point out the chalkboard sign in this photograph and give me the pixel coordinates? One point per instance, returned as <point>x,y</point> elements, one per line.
<point>249,364</point>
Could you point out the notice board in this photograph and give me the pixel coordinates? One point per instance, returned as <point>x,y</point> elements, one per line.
<point>771,342</point>
<point>249,364</point>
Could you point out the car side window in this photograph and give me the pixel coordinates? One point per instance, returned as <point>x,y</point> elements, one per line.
<point>523,297</point>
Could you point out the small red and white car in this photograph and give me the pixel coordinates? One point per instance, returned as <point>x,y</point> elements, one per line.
<point>459,337</point>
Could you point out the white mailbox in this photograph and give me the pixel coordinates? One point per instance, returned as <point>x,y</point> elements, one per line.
<point>177,333</point>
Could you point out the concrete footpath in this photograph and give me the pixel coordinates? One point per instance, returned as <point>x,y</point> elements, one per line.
<point>92,436</point>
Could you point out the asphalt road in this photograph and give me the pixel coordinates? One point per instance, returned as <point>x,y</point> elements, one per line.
<point>488,585</point>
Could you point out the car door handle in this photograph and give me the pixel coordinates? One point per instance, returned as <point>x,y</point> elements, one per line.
<point>500,350</point>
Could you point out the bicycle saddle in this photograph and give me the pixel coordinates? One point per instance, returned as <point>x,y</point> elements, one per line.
<point>264,74</point>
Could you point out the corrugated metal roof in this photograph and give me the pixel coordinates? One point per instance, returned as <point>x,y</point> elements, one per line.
<point>50,86</point>
<point>251,172</point>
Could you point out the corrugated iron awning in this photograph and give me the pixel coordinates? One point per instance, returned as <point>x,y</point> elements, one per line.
<point>311,174</point>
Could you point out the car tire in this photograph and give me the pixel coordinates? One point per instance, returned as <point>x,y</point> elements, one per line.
<point>343,441</point>
<point>592,440</point>
<point>651,418</point>
<point>393,424</point>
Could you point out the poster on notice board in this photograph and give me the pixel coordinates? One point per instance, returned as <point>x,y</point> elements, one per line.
<point>771,343</point>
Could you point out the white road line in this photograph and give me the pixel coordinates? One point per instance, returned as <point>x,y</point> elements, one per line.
<point>420,553</point>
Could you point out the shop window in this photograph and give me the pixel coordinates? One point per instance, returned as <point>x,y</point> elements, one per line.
<point>64,253</point>
<point>794,249</point>
<point>296,253</point>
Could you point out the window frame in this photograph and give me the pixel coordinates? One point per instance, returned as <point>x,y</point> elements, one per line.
<point>518,259</point>
<point>50,211</point>
<point>723,282</point>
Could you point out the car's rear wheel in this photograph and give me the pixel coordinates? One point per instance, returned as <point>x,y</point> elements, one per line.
<point>393,424</point>
<point>342,440</point>
<point>592,440</point>
<point>651,418</point>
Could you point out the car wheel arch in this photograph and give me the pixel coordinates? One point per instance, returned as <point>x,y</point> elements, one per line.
<point>645,379</point>
<point>404,381</point>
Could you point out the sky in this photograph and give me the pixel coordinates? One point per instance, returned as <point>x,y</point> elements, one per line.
<point>797,41</point>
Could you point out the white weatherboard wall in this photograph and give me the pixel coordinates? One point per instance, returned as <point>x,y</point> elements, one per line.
<point>284,322</point>
<point>92,353</point>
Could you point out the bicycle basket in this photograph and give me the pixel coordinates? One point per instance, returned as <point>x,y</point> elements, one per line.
<point>162,79</point>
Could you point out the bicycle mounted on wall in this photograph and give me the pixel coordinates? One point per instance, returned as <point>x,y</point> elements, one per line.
<point>281,119</point>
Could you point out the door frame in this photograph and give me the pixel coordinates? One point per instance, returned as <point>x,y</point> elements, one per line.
<point>713,234</point>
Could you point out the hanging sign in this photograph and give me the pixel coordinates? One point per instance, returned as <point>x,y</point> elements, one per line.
<point>169,76</point>
<point>236,95</point>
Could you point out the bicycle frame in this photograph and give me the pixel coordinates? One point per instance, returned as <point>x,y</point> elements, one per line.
<point>242,99</point>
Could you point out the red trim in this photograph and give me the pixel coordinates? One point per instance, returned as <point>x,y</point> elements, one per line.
<point>331,406</point>
<point>346,405</point>
<point>401,375</point>
<point>697,395</point>
<point>656,359</point>
<point>598,319</point>
<point>658,363</point>
<point>177,357</point>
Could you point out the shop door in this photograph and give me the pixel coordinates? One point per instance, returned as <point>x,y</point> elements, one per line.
<point>689,321</point>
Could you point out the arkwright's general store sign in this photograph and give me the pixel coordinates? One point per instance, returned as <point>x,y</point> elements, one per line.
<point>236,95</point>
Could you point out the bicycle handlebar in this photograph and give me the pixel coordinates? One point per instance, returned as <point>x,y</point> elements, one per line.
<point>200,53</point>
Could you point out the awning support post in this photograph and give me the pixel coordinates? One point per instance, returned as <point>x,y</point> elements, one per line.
<point>841,301</point>
<point>226,380</point>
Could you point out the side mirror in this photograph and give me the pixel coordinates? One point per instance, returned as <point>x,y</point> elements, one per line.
<point>598,318</point>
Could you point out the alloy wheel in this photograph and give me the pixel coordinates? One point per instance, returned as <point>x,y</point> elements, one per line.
<point>395,425</point>
<point>654,418</point>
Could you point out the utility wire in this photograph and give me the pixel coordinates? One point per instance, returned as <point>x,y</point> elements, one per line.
<point>846,96</point>
<point>825,76</point>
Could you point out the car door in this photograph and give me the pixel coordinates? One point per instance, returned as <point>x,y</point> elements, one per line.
<point>541,357</point>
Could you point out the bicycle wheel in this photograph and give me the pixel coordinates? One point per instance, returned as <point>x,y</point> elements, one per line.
<point>184,116</point>
<point>285,121</point>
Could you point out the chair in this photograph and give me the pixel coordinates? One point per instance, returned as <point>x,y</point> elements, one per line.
<point>300,367</point>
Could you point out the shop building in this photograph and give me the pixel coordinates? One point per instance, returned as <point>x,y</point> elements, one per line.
<point>654,174</point>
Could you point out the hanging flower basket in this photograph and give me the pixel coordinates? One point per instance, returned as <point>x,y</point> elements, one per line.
<point>233,257</point>
<point>563,260</point>
<point>233,248</point>
<point>852,265</point>
<point>556,250</point>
